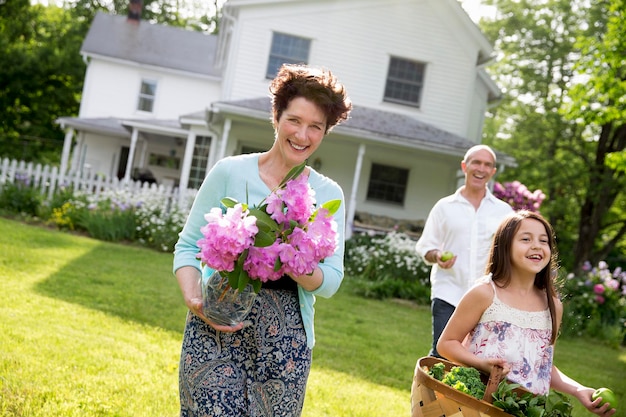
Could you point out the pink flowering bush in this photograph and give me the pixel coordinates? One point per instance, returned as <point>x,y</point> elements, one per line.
<point>519,196</point>
<point>595,302</point>
<point>285,234</point>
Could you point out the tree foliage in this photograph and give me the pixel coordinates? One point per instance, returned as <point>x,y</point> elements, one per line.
<point>40,78</point>
<point>200,15</point>
<point>540,45</point>
<point>599,102</point>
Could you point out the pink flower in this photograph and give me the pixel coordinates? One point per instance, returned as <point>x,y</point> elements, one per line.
<point>323,230</point>
<point>598,289</point>
<point>297,199</point>
<point>261,262</point>
<point>275,207</point>
<point>226,236</point>
<point>612,284</point>
<point>599,299</point>
<point>299,256</point>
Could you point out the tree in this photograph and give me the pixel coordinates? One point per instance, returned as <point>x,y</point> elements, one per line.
<point>40,78</point>
<point>599,102</point>
<point>200,15</point>
<point>537,45</point>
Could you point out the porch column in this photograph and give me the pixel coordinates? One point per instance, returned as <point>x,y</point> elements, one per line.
<point>142,155</point>
<point>225,133</point>
<point>183,182</point>
<point>65,154</point>
<point>355,187</point>
<point>78,154</point>
<point>131,154</point>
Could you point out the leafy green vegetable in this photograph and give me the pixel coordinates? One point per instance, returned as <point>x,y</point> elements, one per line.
<point>557,405</point>
<point>554,404</point>
<point>518,404</point>
<point>466,380</point>
<point>437,371</point>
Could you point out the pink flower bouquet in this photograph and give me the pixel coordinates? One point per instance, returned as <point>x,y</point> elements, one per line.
<point>285,234</point>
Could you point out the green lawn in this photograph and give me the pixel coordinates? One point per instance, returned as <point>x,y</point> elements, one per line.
<point>89,329</point>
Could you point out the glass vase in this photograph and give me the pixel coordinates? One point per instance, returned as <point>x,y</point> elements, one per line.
<point>223,304</point>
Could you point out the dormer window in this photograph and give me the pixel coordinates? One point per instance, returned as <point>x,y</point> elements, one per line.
<point>287,49</point>
<point>147,95</point>
<point>405,81</point>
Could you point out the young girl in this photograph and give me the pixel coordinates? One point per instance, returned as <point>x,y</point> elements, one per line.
<point>512,316</point>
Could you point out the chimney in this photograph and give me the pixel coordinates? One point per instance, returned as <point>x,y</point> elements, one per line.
<point>134,11</point>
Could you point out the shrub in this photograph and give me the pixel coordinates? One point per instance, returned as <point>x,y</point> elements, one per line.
<point>519,196</point>
<point>158,222</point>
<point>386,266</point>
<point>595,303</point>
<point>20,197</point>
<point>145,217</point>
<point>64,209</point>
<point>109,220</point>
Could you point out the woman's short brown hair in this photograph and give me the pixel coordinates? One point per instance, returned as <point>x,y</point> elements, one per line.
<point>317,85</point>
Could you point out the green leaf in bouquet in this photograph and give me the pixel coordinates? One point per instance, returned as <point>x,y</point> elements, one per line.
<point>264,221</point>
<point>293,173</point>
<point>229,202</point>
<point>332,206</point>
<point>264,239</point>
<point>277,264</point>
<point>244,279</point>
<point>234,277</point>
<point>256,284</point>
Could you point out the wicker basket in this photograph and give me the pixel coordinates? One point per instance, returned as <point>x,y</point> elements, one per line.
<point>432,398</point>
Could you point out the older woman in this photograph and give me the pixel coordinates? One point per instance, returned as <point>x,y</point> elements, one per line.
<point>262,369</point>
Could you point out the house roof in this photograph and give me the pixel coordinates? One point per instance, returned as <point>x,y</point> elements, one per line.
<point>104,125</point>
<point>122,127</point>
<point>164,46</point>
<point>371,124</point>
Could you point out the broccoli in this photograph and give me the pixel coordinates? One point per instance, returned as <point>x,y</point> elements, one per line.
<point>466,380</point>
<point>437,371</point>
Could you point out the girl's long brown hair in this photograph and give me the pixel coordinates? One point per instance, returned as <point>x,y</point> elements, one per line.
<point>499,262</point>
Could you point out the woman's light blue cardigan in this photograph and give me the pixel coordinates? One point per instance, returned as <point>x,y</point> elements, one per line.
<point>238,177</point>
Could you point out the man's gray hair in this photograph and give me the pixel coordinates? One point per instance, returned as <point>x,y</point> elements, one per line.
<point>471,151</point>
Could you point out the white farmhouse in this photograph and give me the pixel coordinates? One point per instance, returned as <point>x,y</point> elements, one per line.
<point>164,104</point>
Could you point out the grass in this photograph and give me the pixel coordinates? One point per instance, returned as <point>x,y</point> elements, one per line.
<point>90,329</point>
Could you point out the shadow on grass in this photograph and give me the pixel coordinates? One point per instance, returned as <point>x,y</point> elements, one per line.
<point>135,284</point>
<point>370,340</point>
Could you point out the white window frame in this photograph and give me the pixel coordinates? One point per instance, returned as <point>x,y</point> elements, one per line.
<point>287,49</point>
<point>146,99</point>
<point>405,82</point>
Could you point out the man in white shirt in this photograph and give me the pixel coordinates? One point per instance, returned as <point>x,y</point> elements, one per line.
<point>462,223</point>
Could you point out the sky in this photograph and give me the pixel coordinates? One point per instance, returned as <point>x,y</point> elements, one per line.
<point>473,7</point>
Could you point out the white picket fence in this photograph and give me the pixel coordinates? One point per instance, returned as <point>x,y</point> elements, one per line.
<point>48,180</point>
